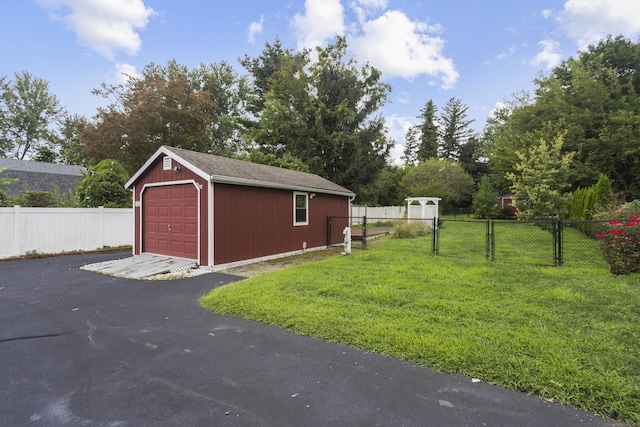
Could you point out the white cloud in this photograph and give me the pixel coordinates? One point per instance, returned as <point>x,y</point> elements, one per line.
<point>122,73</point>
<point>373,4</point>
<point>400,47</point>
<point>322,20</point>
<point>403,97</point>
<point>364,8</point>
<point>255,28</point>
<point>397,129</point>
<point>589,21</point>
<point>550,56</point>
<point>547,13</point>
<point>391,42</point>
<point>105,26</point>
<point>507,54</point>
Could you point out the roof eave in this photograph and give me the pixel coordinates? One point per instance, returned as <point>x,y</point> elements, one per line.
<point>254,183</point>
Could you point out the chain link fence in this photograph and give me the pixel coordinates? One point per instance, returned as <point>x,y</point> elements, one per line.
<point>546,243</point>
<point>410,233</point>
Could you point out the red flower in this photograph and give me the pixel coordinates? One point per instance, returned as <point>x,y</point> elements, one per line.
<point>635,218</point>
<point>615,222</point>
<point>616,232</point>
<point>601,236</point>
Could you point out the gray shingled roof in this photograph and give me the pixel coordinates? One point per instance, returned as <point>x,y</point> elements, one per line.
<point>40,175</point>
<point>224,169</point>
<point>42,167</point>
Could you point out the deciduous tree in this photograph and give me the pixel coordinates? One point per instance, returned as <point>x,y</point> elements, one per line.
<point>324,112</point>
<point>28,116</point>
<point>72,148</point>
<point>149,112</point>
<point>540,182</point>
<point>594,100</point>
<point>443,178</point>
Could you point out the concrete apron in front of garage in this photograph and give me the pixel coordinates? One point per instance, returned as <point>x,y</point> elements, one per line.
<point>141,266</point>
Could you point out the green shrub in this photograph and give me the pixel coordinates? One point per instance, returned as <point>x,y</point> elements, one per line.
<point>104,186</point>
<point>36,199</point>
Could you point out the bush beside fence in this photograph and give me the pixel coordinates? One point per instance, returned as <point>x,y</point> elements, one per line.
<point>55,230</point>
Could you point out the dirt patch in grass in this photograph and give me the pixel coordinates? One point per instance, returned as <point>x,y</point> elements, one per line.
<point>258,268</point>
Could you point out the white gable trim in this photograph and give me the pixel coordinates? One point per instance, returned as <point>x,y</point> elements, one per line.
<point>163,151</point>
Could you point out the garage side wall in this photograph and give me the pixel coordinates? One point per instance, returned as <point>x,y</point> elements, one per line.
<point>253,222</point>
<point>154,176</point>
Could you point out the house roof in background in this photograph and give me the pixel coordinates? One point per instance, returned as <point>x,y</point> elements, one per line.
<point>41,167</point>
<point>40,176</point>
<point>239,172</point>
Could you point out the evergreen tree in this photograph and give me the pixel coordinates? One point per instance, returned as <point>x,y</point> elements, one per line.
<point>428,148</point>
<point>410,154</point>
<point>455,131</point>
<point>485,200</point>
<point>473,158</point>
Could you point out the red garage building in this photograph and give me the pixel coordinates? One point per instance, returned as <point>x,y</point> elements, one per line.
<point>218,210</point>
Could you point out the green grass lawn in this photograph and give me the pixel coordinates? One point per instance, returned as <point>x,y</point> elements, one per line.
<point>567,333</point>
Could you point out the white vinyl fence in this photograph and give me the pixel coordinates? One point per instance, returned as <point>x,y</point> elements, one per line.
<point>376,213</point>
<point>382,213</point>
<point>54,230</point>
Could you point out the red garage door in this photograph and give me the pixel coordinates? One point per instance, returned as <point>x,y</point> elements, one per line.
<point>170,221</point>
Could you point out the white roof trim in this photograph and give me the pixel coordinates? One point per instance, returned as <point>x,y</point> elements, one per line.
<point>163,151</point>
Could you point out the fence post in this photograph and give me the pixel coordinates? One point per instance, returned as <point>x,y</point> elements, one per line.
<point>554,234</point>
<point>102,228</point>
<point>364,232</point>
<point>434,244</point>
<point>16,230</point>
<point>560,246</point>
<point>328,231</point>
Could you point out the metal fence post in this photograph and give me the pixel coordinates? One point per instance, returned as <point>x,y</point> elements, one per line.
<point>364,232</point>
<point>328,231</point>
<point>554,233</point>
<point>560,245</point>
<point>434,243</point>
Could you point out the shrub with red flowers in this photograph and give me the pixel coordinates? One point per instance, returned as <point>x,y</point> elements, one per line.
<point>621,245</point>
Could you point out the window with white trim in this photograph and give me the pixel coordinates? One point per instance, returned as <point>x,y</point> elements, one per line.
<point>300,208</point>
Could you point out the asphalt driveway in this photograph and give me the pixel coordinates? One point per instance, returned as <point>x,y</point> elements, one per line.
<point>82,349</point>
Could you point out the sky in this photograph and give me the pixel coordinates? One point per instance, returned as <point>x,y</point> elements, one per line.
<point>480,52</point>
